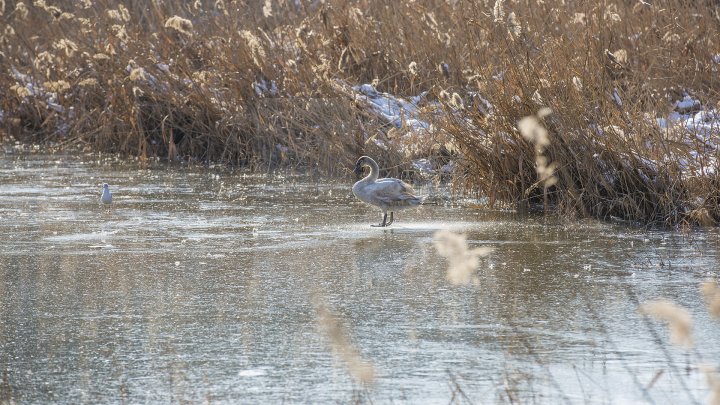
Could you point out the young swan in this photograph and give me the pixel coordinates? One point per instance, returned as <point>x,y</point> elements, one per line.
<point>387,194</point>
<point>106,197</point>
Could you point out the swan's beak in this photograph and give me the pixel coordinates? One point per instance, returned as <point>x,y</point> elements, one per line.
<point>358,171</point>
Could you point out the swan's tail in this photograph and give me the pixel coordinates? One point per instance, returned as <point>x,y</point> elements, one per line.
<point>430,200</point>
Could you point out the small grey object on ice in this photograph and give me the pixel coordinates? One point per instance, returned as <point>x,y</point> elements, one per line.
<point>106,197</point>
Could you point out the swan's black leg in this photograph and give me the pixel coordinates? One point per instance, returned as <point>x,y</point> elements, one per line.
<point>383,223</point>
<point>391,219</point>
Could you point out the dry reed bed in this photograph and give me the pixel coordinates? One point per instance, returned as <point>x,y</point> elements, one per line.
<point>606,71</point>
<point>266,84</point>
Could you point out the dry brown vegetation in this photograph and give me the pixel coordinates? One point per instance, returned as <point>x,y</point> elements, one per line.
<point>268,84</point>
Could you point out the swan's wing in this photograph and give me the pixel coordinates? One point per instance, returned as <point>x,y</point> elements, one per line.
<point>394,192</point>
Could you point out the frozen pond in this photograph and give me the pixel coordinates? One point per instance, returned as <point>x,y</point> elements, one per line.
<point>203,286</point>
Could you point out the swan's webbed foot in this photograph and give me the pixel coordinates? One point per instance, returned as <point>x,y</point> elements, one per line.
<point>384,222</point>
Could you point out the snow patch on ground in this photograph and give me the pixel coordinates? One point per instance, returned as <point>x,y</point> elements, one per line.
<point>394,110</point>
<point>699,129</point>
<point>263,88</point>
<point>404,114</point>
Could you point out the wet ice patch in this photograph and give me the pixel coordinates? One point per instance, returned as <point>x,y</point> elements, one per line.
<point>252,372</point>
<point>101,247</point>
<point>78,237</point>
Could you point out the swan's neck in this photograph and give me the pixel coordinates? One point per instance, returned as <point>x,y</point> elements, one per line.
<point>374,171</point>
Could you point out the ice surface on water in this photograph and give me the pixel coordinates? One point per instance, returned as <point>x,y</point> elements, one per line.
<point>211,292</point>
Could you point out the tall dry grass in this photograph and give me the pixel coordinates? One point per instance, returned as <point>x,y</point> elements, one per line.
<point>209,81</point>
<point>606,70</point>
<point>267,84</point>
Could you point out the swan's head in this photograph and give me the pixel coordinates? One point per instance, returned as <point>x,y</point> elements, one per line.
<point>359,165</point>
<point>105,186</point>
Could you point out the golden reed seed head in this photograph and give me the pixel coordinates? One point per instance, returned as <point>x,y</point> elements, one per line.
<point>361,370</point>
<point>201,76</point>
<point>579,18</point>
<point>21,10</point>
<point>711,292</point>
<point>357,16</point>
<point>114,15</point>
<point>463,262</point>
<point>713,381</point>
<point>678,319</point>
<point>612,14</point>
<point>457,101</point>
<point>255,45</point>
<point>621,56</point>
<point>21,91</point>
<point>180,25</point>
<point>137,74</point>
<point>413,69</point>
<point>531,129</point>
<point>66,45</point>
<point>59,86</point>
<point>267,9</point>
<point>119,31</point>
<point>498,10</point>
<point>91,82</point>
<point>220,6</point>
<point>514,26</point>
<point>124,13</point>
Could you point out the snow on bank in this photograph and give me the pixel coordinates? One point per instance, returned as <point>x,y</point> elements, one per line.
<point>691,118</point>
<point>394,110</point>
<point>699,129</point>
<point>27,88</point>
<point>427,167</point>
<point>401,114</point>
